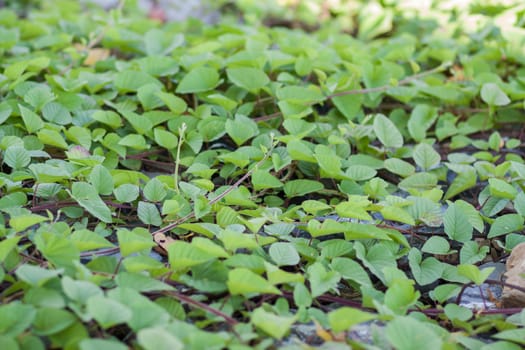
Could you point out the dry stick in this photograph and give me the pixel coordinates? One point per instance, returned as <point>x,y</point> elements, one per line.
<point>404,81</point>
<point>216,199</point>
<point>188,300</point>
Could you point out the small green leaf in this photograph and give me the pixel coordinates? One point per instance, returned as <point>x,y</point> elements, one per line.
<point>284,254</point>
<point>344,318</point>
<point>274,325</point>
<point>241,129</point>
<point>158,338</point>
<point>101,179</point>
<point>296,188</point>
<point>457,225</point>
<point>474,274</point>
<point>17,157</point>
<point>387,132</point>
<point>87,196</point>
<point>198,80</point>
<point>134,241</point>
<point>421,119</point>
<point>501,189</point>
<point>165,138</point>
<point>506,224</point>
<point>251,79</point>
<point>154,190</point>
<point>408,333</point>
<point>244,281</point>
<point>131,80</point>
<point>149,214</point>
<point>107,312</point>
<point>262,180</point>
<point>425,156</point>
<point>399,167</point>
<point>492,95</point>
<point>31,120</point>
<point>109,118</point>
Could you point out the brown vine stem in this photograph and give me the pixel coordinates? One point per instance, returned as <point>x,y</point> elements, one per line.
<point>188,300</point>
<point>404,81</point>
<point>216,199</point>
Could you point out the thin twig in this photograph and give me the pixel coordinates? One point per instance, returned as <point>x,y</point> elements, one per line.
<point>216,199</point>
<point>188,300</point>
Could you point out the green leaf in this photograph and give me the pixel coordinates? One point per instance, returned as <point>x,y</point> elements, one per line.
<point>56,113</point>
<point>393,213</point>
<point>462,182</point>
<point>359,172</point>
<point>50,321</point>
<point>198,80</point>
<point>349,105</point>
<point>351,270</point>
<point>7,245</point>
<point>321,280</point>
<point>101,180</point>
<point>263,179</point>
<point>408,333</point>
<point>399,167</point>
<point>31,120</point>
<point>297,188</point>
<point>126,193</point>
<point>15,318</point>
<point>436,245</point>
<point>457,225</point>
<point>98,344</point>
<point>131,80</point>
<point>425,156</point>
<point>89,240</point>
<point>241,129</point>
<point>21,222</point>
<point>17,157</point>
<point>424,271</point>
<point>387,132</point>
<point>501,189</point>
<point>165,138</point>
<point>158,338</point>
<point>36,275</point>
<point>154,190</point>
<point>401,295</point>
<point>456,312</point>
<point>183,255</point>
<point>492,95</point>
<point>251,79</point>
<point>134,241</point>
<point>284,254</point>
<point>52,138</point>
<point>474,274</point>
<point>149,214</point>
<point>344,318</point>
<point>506,224</point>
<point>107,312</point>
<point>245,282</point>
<point>327,160</point>
<point>418,182</point>
<point>87,196</point>
<point>109,118</point>
<point>274,325</point>
<point>421,119</point>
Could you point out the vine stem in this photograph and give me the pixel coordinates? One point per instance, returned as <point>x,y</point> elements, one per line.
<point>404,81</point>
<point>188,300</point>
<point>219,197</point>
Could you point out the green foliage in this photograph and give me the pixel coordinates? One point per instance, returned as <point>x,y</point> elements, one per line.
<point>185,186</point>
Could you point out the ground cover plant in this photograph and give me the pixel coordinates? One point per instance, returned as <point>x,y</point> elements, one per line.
<point>181,185</point>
